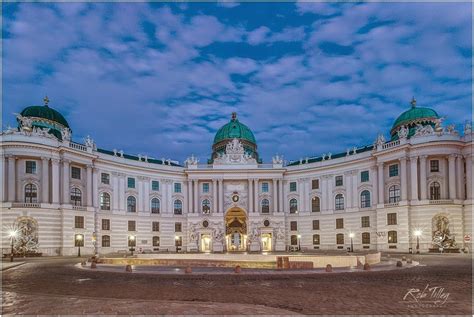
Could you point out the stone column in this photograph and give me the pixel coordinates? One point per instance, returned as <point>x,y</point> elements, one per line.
<point>115,193</point>
<point>355,195</point>
<point>140,194</point>
<point>250,195</point>
<point>468,176</point>
<point>460,176</point>
<point>451,176</point>
<point>324,194</point>
<point>275,196</point>
<point>95,187</point>
<point>221,195</point>
<point>66,194</point>
<point>348,186</point>
<point>403,178</point>
<point>89,185</point>
<point>214,195</point>
<point>380,183</point>
<point>164,197</point>
<point>281,206</point>
<point>146,194</point>
<point>185,195</point>
<point>190,196</point>
<point>121,193</point>
<point>330,199</point>
<point>301,199</point>
<point>414,177</point>
<point>423,183</point>
<point>256,200</point>
<point>169,192</point>
<point>196,195</point>
<point>11,178</point>
<point>307,198</point>
<point>45,180</point>
<point>55,181</point>
<point>373,178</point>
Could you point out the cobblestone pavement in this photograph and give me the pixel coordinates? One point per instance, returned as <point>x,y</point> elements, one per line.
<point>56,286</point>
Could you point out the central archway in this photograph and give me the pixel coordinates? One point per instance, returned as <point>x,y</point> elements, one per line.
<point>236,230</point>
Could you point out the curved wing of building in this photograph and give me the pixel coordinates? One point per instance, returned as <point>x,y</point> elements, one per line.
<point>414,190</point>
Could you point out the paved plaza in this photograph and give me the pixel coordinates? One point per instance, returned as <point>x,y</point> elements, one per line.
<point>57,286</point>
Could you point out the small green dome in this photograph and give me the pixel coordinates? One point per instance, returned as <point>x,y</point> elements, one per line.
<point>234,130</point>
<point>414,114</point>
<point>44,112</point>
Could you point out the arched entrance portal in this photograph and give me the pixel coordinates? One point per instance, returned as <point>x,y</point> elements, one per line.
<point>236,230</point>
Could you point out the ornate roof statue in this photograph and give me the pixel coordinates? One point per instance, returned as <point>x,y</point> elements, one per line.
<point>235,154</point>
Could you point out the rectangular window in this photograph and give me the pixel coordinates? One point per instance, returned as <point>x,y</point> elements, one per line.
<point>105,178</point>
<point>392,219</point>
<point>79,240</point>
<point>340,238</point>
<point>131,225</point>
<point>339,223</point>
<point>205,187</point>
<point>177,227</point>
<point>316,239</point>
<point>131,182</point>
<point>265,187</point>
<point>315,224</point>
<point>106,241</point>
<point>293,225</point>
<point>393,170</point>
<point>365,238</point>
<point>392,237</point>
<point>156,241</point>
<point>434,166</point>
<point>105,224</point>
<point>79,222</point>
<point>364,176</point>
<point>177,187</point>
<point>155,186</point>
<point>315,184</point>
<point>30,167</point>
<point>178,242</point>
<point>292,186</point>
<point>132,241</point>
<point>75,172</point>
<point>294,239</point>
<point>339,181</point>
<point>365,221</point>
<point>155,226</point>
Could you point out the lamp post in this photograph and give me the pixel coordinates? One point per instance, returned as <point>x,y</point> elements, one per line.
<point>131,242</point>
<point>417,235</point>
<point>79,239</point>
<point>12,234</point>
<point>351,235</point>
<point>299,242</point>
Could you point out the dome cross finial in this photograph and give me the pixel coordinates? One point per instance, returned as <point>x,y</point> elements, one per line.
<point>46,101</point>
<point>234,116</point>
<point>413,102</point>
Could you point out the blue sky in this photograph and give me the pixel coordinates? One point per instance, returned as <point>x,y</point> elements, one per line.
<point>308,78</point>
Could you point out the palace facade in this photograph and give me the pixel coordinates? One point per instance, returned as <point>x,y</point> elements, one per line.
<point>60,195</point>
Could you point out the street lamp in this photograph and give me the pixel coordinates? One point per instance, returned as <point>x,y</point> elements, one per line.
<point>79,239</point>
<point>131,242</point>
<point>299,242</point>
<point>351,235</point>
<point>417,235</point>
<point>12,234</point>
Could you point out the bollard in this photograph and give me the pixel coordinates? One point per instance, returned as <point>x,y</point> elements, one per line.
<point>237,269</point>
<point>399,264</point>
<point>404,258</point>
<point>409,261</point>
<point>93,265</point>
<point>286,262</point>
<point>128,268</point>
<point>366,267</point>
<point>83,263</point>
<point>329,268</point>
<point>188,270</point>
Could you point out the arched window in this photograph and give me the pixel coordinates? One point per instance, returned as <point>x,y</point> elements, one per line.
<point>392,237</point>
<point>206,206</point>
<point>76,196</point>
<point>155,206</point>
<point>316,240</point>
<point>104,201</point>
<point>394,194</point>
<point>156,241</point>
<point>315,204</point>
<point>340,238</point>
<point>435,191</point>
<point>365,199</point>
<point>265,206</point>
<point>365,238</point>
<point>339,202</point>
<point>31,193</point>
<point>131,204</point>
<point>293,206</point>
<point>178,207</point>
<point>105,241</point>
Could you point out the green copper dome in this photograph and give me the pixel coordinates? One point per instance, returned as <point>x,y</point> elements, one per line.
<point>234,130</point>
<point>44,112</point>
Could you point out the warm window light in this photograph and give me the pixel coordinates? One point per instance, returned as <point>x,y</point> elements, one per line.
<point>351,235</point>
<point>418,233</point>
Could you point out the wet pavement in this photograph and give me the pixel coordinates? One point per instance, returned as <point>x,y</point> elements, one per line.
<point>57,286</point>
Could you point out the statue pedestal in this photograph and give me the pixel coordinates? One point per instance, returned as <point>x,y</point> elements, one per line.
<point>280,246</point>
<point>254,246</point>
<point>217,247</point>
